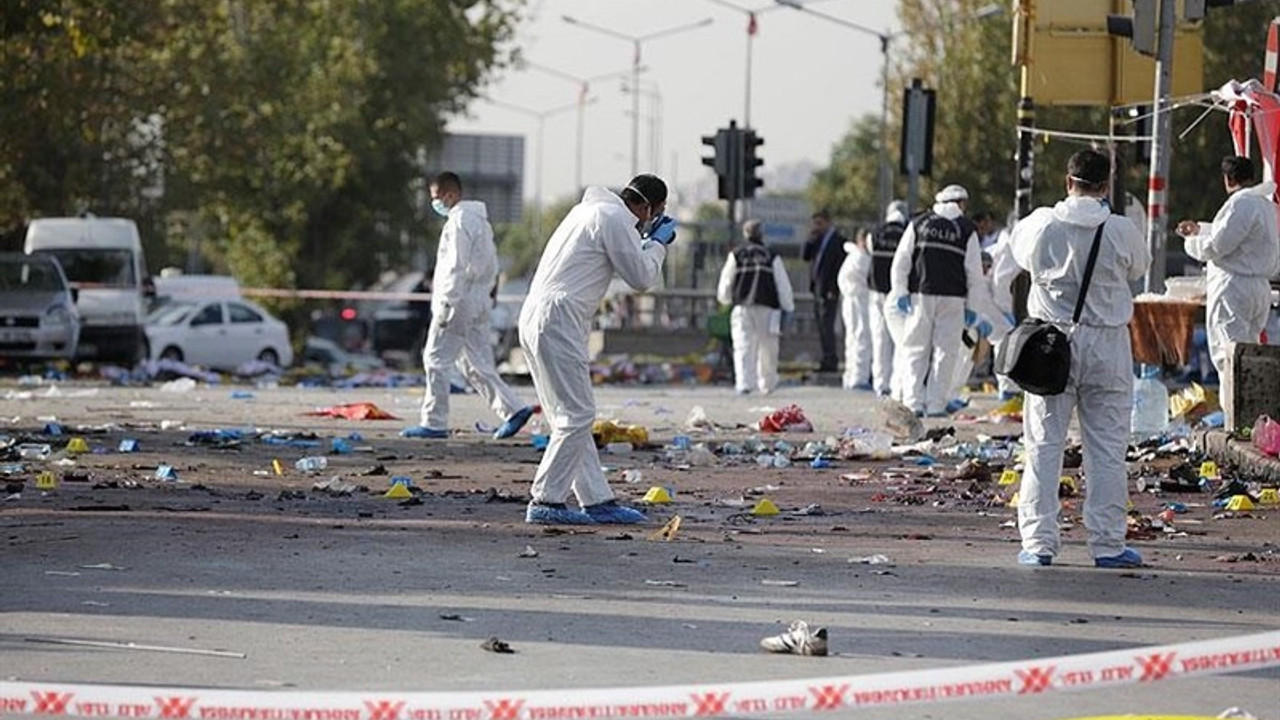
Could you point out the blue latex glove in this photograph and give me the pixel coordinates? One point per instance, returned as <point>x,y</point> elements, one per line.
<point>664,230</point>
<point>904,304</point>
<point>1012,320</point>
<point>787,317</point>
<point>970,317</point>
<point>984,328</point>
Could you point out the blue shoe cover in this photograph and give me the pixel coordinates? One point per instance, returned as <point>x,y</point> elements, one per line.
<point>514,423</point>
<point>1127,559</point>
<point>422,431</point>
<point>1029,558</point>
<point>611,513</point>
<point>555,514</point>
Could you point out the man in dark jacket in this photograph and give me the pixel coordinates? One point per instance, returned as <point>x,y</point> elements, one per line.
<point>825,252</point>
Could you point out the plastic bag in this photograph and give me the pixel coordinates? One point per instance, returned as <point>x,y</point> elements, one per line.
<point>1266,436</point>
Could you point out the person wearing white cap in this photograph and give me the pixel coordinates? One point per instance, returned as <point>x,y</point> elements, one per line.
<point>755,282</point>
<point>855,296</point>
<point>600,237</point>
<point>937,283</point>
<point>884,243</point>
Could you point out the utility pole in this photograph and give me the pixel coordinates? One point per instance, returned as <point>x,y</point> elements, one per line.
<point>1024,57</point>
<point>1156,230</point>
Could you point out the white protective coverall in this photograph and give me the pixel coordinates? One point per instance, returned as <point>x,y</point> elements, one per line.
<point>465,273</point>
<point>932,329</point>
<point>882,337</point>
<point>1242,252</point>
<point>1053,244</point>
<point>855,301</point>
<point>1003,271</point>
<point>595,240</point>
<point>756,329</point>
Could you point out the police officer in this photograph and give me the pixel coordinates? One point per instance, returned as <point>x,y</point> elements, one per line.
<point>755,281</point>
<point>884,243</point>
<point>937,284</point>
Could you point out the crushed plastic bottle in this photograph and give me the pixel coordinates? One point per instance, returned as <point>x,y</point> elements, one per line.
<point>314,463</point>
<point>700,456</point>
<point>1150,414</point>
<point>34,451</point>
<point>781,461</point>
<point>619,448</point>
<point>681,442</point>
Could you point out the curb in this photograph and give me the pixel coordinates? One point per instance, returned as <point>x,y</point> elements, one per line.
<point>1218,445</point>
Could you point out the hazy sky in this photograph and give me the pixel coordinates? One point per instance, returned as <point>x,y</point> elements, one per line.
<point>810,77</point>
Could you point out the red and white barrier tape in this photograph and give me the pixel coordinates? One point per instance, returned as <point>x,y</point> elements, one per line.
<point>993,681</point>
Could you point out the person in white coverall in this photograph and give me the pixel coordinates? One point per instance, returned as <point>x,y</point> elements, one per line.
<point>854,281</point>
<point>1003,271</point>
<point>1053,245</point>
<point>884,243</point>
<point>1241,252</point>
<point>465,275</point>
<point>937,283</point>
<point>600,236</point>
<point>755,282</point>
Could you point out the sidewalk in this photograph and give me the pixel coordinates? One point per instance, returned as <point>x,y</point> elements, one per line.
<point>1218,444</point>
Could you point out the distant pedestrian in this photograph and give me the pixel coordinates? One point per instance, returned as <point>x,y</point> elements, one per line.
<point>754,280</point>
<point>825,252</point>
<point>600,238</point>
<point>1053,244</point>
<point>460,334</point>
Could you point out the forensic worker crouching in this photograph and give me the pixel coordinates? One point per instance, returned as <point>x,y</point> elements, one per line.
<point>755,282</point>
<point>1053,245</point>
<point>600,236</point>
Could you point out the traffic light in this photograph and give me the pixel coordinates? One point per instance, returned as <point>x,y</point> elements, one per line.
<point>727,160</point>
<point>750,161</point>
<point>1141,28</point>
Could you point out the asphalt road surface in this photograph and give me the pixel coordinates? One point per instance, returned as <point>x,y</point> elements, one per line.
<point>323,592</point>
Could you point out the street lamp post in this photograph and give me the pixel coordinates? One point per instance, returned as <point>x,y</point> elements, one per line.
<point>584,87</point>
<point>885,173</point>
<point>636,42</point>
<point>541,116</point>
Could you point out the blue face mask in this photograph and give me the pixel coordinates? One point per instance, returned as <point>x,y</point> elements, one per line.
<point>441,209</point>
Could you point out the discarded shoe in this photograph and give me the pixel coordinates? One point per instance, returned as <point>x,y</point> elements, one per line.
<point>1030,558</point>
<point>611,513</point>
<point>514,423</point>
<point>1127,559</point>
<point>422,431</point>
<point>798,640</point>
<point>957,405</point>
<point>555,514</point>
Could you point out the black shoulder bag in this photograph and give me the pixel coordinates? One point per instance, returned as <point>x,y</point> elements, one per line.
<point>1037,354</point>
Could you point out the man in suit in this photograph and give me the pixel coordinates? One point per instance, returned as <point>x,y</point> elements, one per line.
<point>825,252</point>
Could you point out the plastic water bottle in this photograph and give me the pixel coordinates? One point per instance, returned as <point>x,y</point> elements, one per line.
<point>1150,403</point>
<point>315,463</point>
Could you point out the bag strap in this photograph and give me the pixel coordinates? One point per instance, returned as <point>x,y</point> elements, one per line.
<point>1088,272</point>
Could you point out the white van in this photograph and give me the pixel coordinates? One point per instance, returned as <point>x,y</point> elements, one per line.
<point>102,258</point>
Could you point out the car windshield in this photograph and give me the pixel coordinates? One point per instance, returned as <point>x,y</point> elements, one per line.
<point>29,275</point>
<point>112,268</point>
<point>171,313</point>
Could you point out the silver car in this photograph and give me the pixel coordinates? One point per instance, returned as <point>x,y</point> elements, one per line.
<point>38,318</point>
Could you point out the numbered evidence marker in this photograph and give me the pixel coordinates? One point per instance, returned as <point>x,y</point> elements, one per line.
<point>46,481</point>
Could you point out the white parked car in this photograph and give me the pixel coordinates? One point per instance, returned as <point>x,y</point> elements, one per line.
<point>220,334</point>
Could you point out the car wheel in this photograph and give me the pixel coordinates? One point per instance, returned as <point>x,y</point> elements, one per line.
<point>270,356</point>
<point>172,353</point>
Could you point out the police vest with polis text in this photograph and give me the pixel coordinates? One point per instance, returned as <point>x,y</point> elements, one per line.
<point>754,284</point>
<point>937,266</point>
<point>884,243</point>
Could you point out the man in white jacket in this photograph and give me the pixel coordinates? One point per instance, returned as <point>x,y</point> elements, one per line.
<point>939,286</point>
<point>461,297</point>
<point>755,282</point>
<point>599,237</point>
<point>1241,252</point>
<point>854,281</point>
<point>1053,244</point>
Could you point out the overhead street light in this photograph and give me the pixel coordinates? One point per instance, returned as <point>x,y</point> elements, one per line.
<point>541,116</point>
<point>636,42</point>
<point>885,174</point>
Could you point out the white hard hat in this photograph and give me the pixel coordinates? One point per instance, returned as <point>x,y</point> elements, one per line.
<point>951,193</point>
